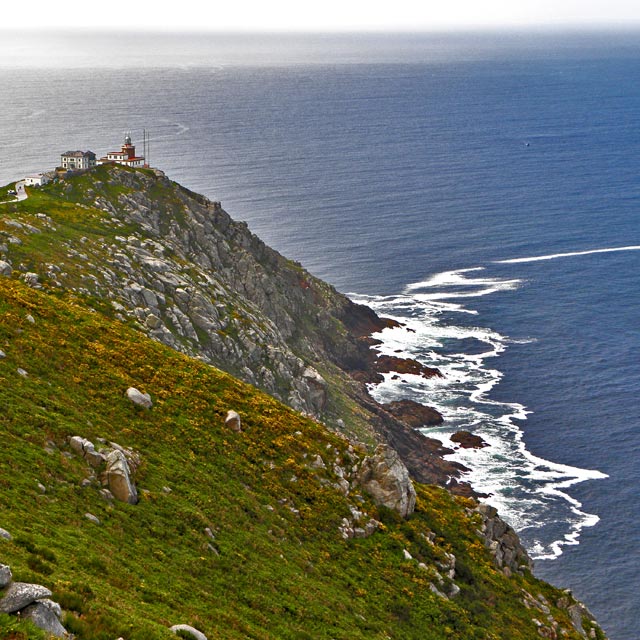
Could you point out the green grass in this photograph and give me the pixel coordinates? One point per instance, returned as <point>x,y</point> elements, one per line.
<point>278,567</point>
<point>274,573</point>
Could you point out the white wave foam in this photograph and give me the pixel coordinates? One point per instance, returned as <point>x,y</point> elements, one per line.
<point>530,492</point>
<point>553,256</point>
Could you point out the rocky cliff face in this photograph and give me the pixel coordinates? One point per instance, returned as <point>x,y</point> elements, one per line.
<point>185,273</point>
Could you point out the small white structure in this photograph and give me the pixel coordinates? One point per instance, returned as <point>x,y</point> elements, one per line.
<point>78,160</point>
<point>126,156</point>
<point>36,180</point>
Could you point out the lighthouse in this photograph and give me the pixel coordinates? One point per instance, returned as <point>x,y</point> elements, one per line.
<point>126,156</point>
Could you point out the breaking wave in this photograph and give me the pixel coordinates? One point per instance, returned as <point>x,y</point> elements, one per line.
<point>530,492</point>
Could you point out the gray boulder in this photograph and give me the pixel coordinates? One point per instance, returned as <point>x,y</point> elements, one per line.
<point>385,477</point>
<point>20,595</point>
<point>119,478</point>
<point>198,635</point>
<point>5,575</point>
<point>45,614</point>
<point>232,421</point>
<point>138,398</point>
<point>5,268</point>
<point>5,534</point>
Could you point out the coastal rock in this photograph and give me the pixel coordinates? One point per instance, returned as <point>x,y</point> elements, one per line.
<point>45,615</point>
<point>386,478</point>
<point>232,421</point>
<point>20,595</point>
<point>468,440</point>
<point>416,415</point>
<point>197,635</point>
<point>119,479</point>
<point>387,364</point>
<point>138,398</point>
<point>503,541</point>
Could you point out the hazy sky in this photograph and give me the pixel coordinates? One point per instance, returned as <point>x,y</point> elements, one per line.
<point>322,15</point>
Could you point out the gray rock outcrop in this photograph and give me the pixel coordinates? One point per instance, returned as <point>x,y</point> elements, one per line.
<point>119,478</point>
<point>385,477</point>
<point>20,595</point>
<point>503,541</point>
<point>5,268</point>
<point>46,615</point>
<point>138,398</point>
<point>197,635</point>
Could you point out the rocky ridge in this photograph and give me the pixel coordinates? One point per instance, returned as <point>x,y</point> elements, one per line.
<point>177,266</point>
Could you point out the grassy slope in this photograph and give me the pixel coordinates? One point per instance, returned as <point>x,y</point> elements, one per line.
<point>278,574</point>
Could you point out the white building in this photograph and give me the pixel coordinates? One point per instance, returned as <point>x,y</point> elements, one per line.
<point>126,156</point>
<point>36,180</point>
<point>78,160</point>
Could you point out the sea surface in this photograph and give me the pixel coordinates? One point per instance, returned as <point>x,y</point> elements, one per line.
<point>485,190</point>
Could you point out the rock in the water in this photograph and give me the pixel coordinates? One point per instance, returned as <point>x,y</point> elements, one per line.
<point>416,415</point>
<point>44,614</point>
<point>119,478</point>
<point>198,635</point>
<point>138,398</point>
<point>5,575</point>
<point>468,440</point>
<point>232,421</point>
<point>20,595</point>
<point>386,478</point>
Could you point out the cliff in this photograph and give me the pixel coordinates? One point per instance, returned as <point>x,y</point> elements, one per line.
<point>143,487</point>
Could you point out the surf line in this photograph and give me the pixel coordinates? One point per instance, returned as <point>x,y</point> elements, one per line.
<point>571,254</point>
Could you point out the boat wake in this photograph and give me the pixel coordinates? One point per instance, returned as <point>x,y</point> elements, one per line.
<point>531,493</point>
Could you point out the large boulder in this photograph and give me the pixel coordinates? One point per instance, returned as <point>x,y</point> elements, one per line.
<point>138,398</point>
<point>386,478</point>
<point>20,595</point>
<point>119,478</point>
<point>185,628</point>
<point>45,614</point>
<point>5,268</point>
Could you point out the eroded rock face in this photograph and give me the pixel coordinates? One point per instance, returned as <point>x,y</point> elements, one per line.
<point>20,595</point>
<point>119,478</point>
<point>503,541</point>
<point>386,478</point>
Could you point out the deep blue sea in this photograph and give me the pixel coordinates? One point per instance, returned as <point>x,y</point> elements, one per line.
<point>484,190</point>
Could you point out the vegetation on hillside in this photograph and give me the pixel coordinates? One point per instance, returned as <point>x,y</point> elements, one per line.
<point>277,566</point>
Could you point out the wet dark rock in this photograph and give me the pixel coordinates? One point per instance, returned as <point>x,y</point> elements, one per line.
<point>416,415</point>
<point>468,440</point>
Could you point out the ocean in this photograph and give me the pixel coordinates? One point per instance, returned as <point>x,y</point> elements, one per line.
<point>482,189</point>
